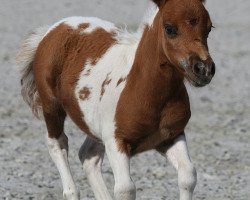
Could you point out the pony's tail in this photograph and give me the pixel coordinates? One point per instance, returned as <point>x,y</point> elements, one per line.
<point>25,59</point>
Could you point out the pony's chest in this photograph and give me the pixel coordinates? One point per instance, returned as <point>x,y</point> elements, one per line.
<point>140,129</point>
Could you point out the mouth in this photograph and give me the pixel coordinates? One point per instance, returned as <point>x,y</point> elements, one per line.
<point>198,81</point>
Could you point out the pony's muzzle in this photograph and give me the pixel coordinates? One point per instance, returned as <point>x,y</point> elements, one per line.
<point>204,69</point>
<point>199,72</point>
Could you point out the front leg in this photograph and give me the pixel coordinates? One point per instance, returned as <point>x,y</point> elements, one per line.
<point>120,164</point>
<point>177,154</point>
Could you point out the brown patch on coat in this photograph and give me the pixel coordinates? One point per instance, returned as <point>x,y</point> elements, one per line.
<point>83,25</point>
<point>84,93</point>
<point>120,81</point>
<point>59,60</point>
<point>104,85</point>
<point>87,73</point>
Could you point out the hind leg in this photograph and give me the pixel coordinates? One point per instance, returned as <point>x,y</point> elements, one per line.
<point>177,154</point>
<point>58,150</point>
<point>91,156</point>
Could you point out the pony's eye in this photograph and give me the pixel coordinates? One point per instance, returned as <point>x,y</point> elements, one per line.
<point>170,30</point>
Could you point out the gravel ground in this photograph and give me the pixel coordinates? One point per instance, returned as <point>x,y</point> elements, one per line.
<point>217,133</point>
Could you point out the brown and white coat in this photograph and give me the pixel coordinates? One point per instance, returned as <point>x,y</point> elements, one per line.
<point>123,90</point>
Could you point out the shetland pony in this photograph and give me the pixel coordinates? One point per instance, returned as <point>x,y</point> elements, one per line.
<point>125,91</point>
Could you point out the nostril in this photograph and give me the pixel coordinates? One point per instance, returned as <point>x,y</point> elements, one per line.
<point>199,68</point>
<point>213,69</point>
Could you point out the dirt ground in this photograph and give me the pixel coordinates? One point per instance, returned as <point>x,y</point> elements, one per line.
<point>217,133</point>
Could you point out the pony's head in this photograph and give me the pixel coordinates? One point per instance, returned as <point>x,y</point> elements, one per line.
<point>184,29</point>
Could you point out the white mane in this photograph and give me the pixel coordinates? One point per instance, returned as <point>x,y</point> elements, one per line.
<point>149,15</point>
<point>126,37</point>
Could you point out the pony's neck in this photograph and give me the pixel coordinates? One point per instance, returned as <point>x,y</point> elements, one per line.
<point>157,79</point>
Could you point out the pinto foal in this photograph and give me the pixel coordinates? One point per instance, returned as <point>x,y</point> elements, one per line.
<point>125,91</point>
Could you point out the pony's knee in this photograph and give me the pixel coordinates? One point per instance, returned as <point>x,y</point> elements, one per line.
<point>91,156</point>
<point>91,165</point>
<point>187,177</point>
<point>125,190</point>
<point>60,143</point>
<point>55,144</point>
<point>91,162</point>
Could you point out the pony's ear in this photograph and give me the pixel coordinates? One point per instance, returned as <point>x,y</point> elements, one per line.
<point>159,3</point>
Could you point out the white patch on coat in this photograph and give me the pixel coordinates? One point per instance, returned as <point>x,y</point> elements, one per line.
<point>122,34</point>
<point>116,62</point>
<point>93,22</point>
